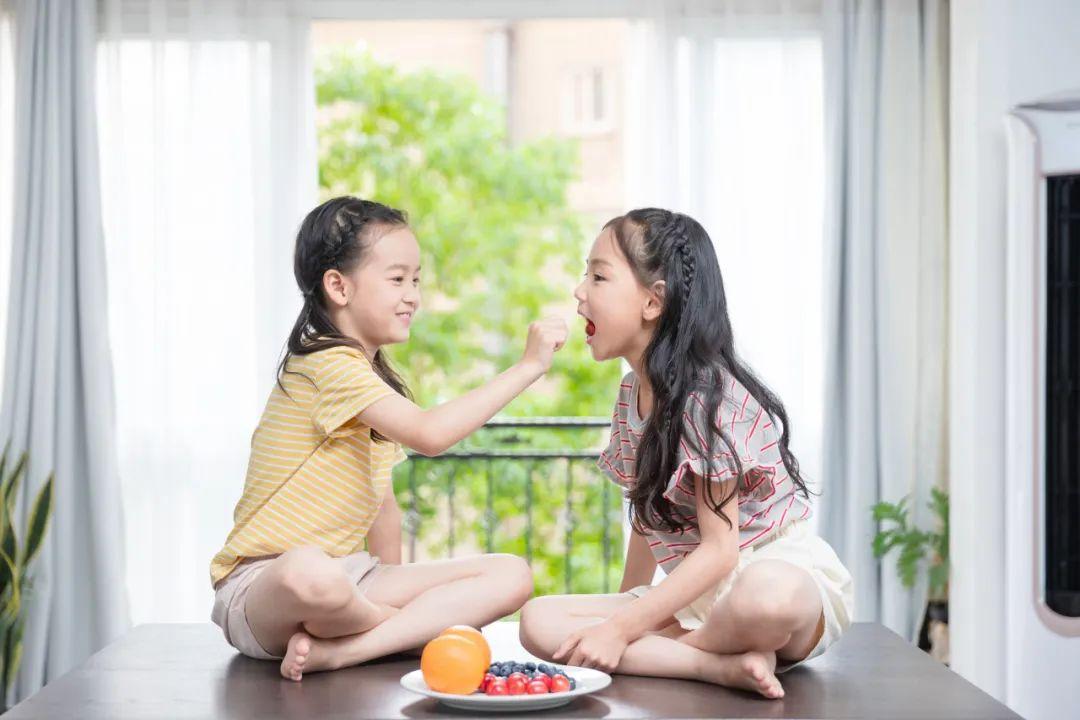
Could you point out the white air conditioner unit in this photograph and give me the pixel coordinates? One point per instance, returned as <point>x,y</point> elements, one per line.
<point>1042,422</point>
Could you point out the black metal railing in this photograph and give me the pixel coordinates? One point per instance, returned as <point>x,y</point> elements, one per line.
<point>561,492</point>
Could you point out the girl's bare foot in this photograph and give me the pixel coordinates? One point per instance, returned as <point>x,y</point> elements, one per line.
<point>296,656</point>
<point>307,654</point>
<point>753,671</point>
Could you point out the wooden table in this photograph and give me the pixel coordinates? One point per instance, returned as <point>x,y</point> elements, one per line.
<point>187,671</point>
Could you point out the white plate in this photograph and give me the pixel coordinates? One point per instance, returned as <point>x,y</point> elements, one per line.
<point>588,681</point>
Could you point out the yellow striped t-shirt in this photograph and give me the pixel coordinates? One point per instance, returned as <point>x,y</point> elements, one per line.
<point>315,476</point>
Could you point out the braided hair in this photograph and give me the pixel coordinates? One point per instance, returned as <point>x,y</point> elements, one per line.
<point>335,236</point>
<point>692,351</point>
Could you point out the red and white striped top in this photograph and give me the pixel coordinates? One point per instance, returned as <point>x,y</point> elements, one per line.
<point>768,499</point>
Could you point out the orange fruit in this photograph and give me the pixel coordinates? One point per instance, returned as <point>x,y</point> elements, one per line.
<point>453,664</point>
<point>473,635</point>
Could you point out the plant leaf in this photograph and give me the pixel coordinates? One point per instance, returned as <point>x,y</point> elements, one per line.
<point>883,511</point>
<point>939,575</point>
<point>885,541</point>
<point>939,503</point>
<point>39,522</point>
<point>11,487</point>
<point>908,562</point>
<point>894,512</point>
<point>9,574</point>
<point>13,647</point>
<point>880,541</point>
<point>9,613</point>
<point>9,542</point>
<point>3,462</point>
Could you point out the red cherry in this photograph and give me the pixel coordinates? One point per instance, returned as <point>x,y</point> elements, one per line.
<point>498,687</point>
<point>516,685</point>
<point>560,683</point>
<point>537,687</point>
<point>519,675</point>
<point>544,678</point>
<point>488,678</point>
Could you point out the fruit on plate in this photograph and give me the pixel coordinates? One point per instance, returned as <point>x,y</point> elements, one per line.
<point>453,664</point>
<point>515,678</point>
<point>472,635</point>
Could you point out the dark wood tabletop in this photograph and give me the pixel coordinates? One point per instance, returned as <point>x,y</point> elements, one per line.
<point>175,671</point>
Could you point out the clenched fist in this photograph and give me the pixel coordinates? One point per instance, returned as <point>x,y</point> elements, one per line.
<point>546,337</point>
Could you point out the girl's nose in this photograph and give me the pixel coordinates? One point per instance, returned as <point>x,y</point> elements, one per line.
<point>579,292</point>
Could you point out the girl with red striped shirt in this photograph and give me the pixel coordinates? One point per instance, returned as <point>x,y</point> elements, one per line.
<point>701,448</point>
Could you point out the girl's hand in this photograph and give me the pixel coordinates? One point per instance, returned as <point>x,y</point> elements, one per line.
<point>598,646</point>
<point>546,337</point>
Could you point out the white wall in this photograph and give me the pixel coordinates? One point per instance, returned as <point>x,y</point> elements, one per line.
<point>1003,52</point>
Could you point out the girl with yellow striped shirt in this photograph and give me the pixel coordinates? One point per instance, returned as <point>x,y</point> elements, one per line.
<point>292,580</point>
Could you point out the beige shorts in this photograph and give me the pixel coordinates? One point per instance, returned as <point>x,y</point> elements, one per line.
<point>798,545</point>
<point>230,597</point>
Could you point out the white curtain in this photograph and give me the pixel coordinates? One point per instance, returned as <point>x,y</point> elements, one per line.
<point>886,84</point>
<point>7,159</point>
<point>725,122</point>
<point>208,165</point>
<point>58,400</point>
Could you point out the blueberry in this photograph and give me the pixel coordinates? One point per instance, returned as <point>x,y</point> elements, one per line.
<point>530,666</point>
<point>544,668</point>
<point>573,683</point>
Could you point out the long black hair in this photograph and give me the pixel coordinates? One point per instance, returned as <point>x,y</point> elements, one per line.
<point>336,236</point>
<point>692,350</point>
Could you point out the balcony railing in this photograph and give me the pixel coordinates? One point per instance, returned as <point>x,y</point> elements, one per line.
<point>529,486</point>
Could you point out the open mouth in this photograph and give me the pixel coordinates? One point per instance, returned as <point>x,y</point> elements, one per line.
<point>590,328</point>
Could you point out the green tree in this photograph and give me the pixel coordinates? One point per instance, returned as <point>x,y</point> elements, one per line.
<point>500,247</point>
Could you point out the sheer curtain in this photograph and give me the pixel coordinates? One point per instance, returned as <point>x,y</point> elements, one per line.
<point>887,89</point>
<point>7,159</point>
<point>208,165</point>
<point>725,123</point>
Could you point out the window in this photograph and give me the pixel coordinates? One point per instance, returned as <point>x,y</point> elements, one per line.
<point>586,102</point>
<point>567,122</point>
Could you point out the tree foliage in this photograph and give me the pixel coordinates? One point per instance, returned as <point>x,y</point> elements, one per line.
<point>501,246</point>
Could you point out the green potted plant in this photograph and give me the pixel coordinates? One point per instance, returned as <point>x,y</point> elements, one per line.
<point>15,560</point>
<point>914,545</point>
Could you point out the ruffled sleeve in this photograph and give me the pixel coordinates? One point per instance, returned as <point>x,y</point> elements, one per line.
<point>611,461</point>
<point>747,426</point>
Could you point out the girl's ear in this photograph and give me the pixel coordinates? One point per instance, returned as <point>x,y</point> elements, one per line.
<point>336,288</point>
<point>654,301</point>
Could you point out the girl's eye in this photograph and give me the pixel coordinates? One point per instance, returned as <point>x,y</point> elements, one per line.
<point>398,280</point>
<point>595,276</point>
